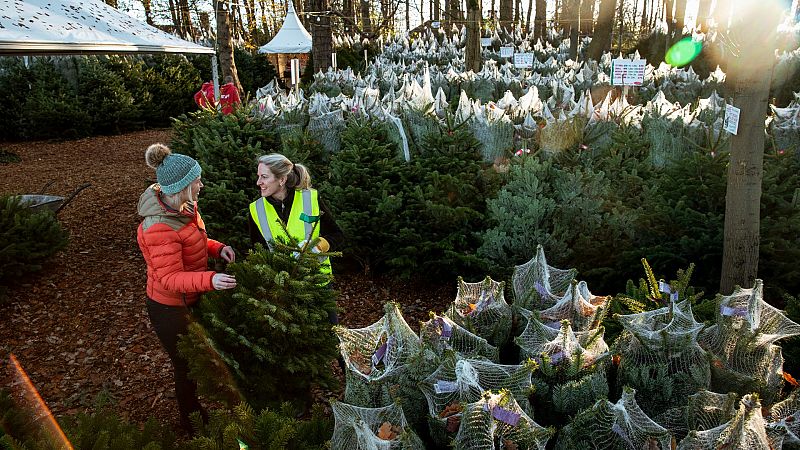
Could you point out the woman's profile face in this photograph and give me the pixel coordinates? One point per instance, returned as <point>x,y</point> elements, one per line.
<point>267,181</point>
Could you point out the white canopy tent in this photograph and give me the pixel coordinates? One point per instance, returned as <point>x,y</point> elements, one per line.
<point>291,38</point>
<point>39,27</point>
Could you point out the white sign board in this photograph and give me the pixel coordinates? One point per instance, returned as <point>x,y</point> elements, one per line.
<point>523,60</point>
<point>506,52</point>
<point>436,24</point>
<point>486,42</point>
<point>731,123</point>
<point>295,67</point>
<point>626,72</point>
<point>333,60</point>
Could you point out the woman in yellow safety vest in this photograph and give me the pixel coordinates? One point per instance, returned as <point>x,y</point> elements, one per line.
<point>286,194</point>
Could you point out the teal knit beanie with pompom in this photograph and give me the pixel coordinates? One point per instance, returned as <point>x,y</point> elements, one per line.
<point>173,171</point>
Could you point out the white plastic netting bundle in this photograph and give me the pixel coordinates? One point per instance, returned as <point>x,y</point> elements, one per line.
<point>496,421</point>
<point>746,430</point>
<point>580,307</point>
<point>495,132</point>
<point>458,382</point>
<point>326,128</point>
<point>440,334</point>
<point>376,357</point>
<point>741,343</point>
<point>620,426</point>
<point>660,356</point>
<point>784,418</point>
<point>562,134</point>
<point>481,308</point>
<point>572,366</point>
<point>383,428</point>
<point>538,285</point>
<point>704,410</point>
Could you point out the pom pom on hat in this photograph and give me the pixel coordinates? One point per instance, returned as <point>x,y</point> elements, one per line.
<point>173,171</point>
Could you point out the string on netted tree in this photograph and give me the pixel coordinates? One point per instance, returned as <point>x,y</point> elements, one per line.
<point>382,428</point>
<point>497,421</point>
<point>440,334</point>
<point>481,308</point>
<point>572,365</point>
<point>538,285</point>
<point>458,382</point>
<point>620,426</point>
<point>377,359</point>
<point>741,342</point>
<point>660,356</point>
<point>747,429</point>
<point>581,308</point>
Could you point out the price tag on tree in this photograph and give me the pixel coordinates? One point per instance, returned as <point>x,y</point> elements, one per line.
<point>523,60</point>
<point>626,72</point>
<point>436,24</point>
<point>731,123</point>
<point>444,386</point>
<point>506,52</point>
<point>486,42</point>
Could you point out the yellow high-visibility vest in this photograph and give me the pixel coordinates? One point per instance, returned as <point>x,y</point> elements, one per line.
<point>304,206</point>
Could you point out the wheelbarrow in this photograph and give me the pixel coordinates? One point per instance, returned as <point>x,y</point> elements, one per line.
<point>41,202</point>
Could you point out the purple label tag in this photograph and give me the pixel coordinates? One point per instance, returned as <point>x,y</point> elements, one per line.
<point>447,329</point>
<point>553,325</point>
<point>504,415</point>
<point>445,387</point>
<point>733,312</point>
<point>556,357</point>
<point>674,296</point>
<point>540,289</point>
<point>379,354</point>
<point>664,287</point>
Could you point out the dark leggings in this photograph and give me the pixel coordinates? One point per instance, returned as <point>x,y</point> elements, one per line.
<point>169,322</point>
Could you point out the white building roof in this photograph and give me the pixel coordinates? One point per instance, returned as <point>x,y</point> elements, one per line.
<point>291,38</point>
<point>30,27</point>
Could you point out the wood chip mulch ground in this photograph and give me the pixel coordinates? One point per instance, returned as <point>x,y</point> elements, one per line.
<point>79,327</point>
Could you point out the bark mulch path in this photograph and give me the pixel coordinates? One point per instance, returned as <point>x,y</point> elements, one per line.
<point>79,326</point>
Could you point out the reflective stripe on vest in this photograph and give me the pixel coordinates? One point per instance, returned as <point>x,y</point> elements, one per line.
<point>306,202</point>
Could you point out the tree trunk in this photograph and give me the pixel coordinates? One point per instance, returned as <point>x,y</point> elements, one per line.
<point>586,10</point>
<point>225,44</point>
<point>176,17</point>
<point>680,18</point>
<point>643,23</point>
<point>506,13</point>
<point>250,12</point>
<point>703,15</point>
<point>668,5</point>
<point>436,10</point>
<point>621,17</point>
<point>472,56</point>
<point>188,27</point>
<point>264,24</point>
<point>111,3</point>
<point>601,41</point>
<point>148,11</point>
<point>570,17</point>
<point>366,23</point>
<point>321,36</point>
<point>408,15</point>
<point>722,14</point>
<point>540,22</point>
<point>749,76</point>
<point>517,8</point>
<point>528,18</point>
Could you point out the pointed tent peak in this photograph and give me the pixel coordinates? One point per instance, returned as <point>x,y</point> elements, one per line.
<point>291,38</point>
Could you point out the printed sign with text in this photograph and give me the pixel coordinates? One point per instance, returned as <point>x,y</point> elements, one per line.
<point>523,60</point>
<point>731,123</point>
<point>506,52</point>
<point>626,72</point>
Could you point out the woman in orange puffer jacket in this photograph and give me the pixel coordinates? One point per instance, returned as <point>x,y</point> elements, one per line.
<point>173,240</point>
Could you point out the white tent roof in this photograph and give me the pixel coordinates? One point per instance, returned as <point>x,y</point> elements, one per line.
<point>291,38</point>
<point>29,27</point>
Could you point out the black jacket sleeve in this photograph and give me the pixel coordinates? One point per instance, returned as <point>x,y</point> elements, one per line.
<point>329,229</point>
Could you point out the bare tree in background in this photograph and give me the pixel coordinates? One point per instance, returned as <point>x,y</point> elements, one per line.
<point>321,34</point>
<point>749,76</point>
<point>540,22</point>
<point>225,43</point>
<point>472,55</point>
<point>506,13</point>
<point>601,41</point>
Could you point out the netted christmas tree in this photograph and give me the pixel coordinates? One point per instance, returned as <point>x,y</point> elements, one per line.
<point>784,418</point>
<point>496,421</point>
<point>620,426</point>
<point>572,366</point>
<point>481,308</point>
<point>660,356</point>
<point>384,428</point>
<point>537,285</point>
<point>441,334</point>
<point>581,308</point>
<point>704,410</point>
<point>377,359</point>
<point>272,331</point>
<point>747,429</point>
<point>458,382</point>
<point>741,342</point>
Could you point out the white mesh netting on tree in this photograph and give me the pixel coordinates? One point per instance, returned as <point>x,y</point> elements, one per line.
<point>458,382</point>
<point>440,334</point>
<point>376,357</point>
<point>580,307</point>
<point>746,430</point>
<point>326,127</point>
<point>620,426</point>
<point>784,418</point>
<point>482,309</point>
<point>572,366</point>
<point>496,421</point>
<point>383,428</point>
<point>538,285</point>
<point>704,410</point>
<point>741,343</point>
<point>660,357</point>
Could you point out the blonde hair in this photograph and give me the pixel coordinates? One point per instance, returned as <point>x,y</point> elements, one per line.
<point>297,176</point>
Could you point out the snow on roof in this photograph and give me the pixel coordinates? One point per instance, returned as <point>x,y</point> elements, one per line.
<point>291,38</point>
<point>29,27</point>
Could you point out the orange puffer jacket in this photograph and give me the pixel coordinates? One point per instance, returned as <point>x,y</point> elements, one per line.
<point>176,249</point>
